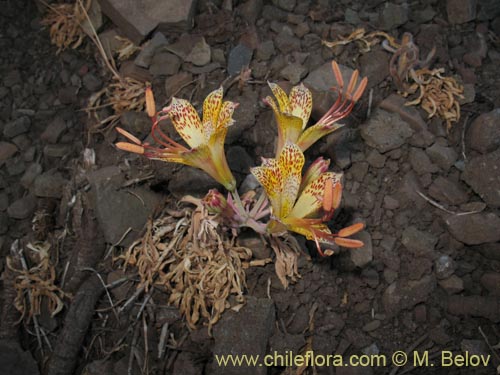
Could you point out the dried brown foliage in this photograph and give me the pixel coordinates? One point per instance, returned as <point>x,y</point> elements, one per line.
<point>65,22</point>
<point>190,258</point>
<point>437,93</point>
<point>36,282</point>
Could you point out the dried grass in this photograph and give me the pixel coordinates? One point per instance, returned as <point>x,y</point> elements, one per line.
<point>65,22</point>
<point>35,284</point>
<point>438,94</point>
<point>189,257</point>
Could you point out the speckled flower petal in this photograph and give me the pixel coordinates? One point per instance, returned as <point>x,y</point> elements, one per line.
<point>187,122</point>
<point>301,103</point>
<point>269,176</point>
<point>211,107</point>
<point>290,163</point>
<point>281,97</point>
<point>310,201</point>
<point>312,134</point>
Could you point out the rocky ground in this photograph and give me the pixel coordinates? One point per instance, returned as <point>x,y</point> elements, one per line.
<point>428,277</point>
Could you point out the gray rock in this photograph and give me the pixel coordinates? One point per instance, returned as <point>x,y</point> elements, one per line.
<point>352,17</point>
<point>137,123</point>
<point>452,285</point>
<point>254,242</point>
<point>22,208</point>
<point>488,9</point>
<point>385,131</point>
<point>200,54</point>
<point>238,160</point>
<point>364,255</point>
<point>474,229</point>
<point>57,151</point>
<point>443,156</point>
<point>281,342</point>
<point>4,226</point>
<point>7,150</point>
<point>137,19</point>
<point>491,282</point>
<point>32,172</point>
<point>420,162</point>
<point>251,10</point>
<point>448,191</point>
<point>12,78</point>
<point>294,73</point>
<point>173,84</point>
<point>485,307</point>
<point>187,363</point>
<point>475,347</point>
<point>423,16</point>
<point>375,66</point>
<point>461,11</point>
<point>164,64</point>
<point>444,267</point>
<point>192,181</point>
<point>15,361</point>
<point>482,173</point>
<point>49,185</point>
<point>265,50</point>
<point>145,57</point>
<point>417,242</point>
<point>113,215</point>
<point>91,82</point>
<point>393,15</point>
<point>287,5</point>
<point>286,42</point>
<point>54,130</point>
<point>323,79</point>
<point>4,201</point>
<point>18,126</point>
<point>372,326</point>
<point>239,58</point>
<point>484,133</point>
<point>245,332</point>
<point>401,294</point>
<point>390,202</point>
<point>244,116</point>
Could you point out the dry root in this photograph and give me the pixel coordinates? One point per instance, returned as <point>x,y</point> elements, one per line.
<point>122,94</point>
<point>199,266</point>
<point>437,95</point>
<point>65,22</point>
<point>35,284</point>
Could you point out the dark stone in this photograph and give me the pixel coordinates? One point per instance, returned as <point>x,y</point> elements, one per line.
<point>482,174</point>
<point>54,130</point>
<point>164,64</point>
<point>392,15</point>
<point>7,150</point>
<point>375,66</point>
<point>417,242</point>
<point>145,57</point>
<point>443,156</point>
<point>191,181</point>
<point>420,162</point>
<point>452,285</point>
<point>484,133</point>
<point>294,73</point>
<point>461,11</point>
<point>286,42</point>
<point>402,294</point>
<point>362,256</point>
<point>251,10</point>
<point>18,126</point>
<point>16,361</point>
<point>265,50</point>
<point>137,19</point>
<point>474,229</point>
<point>49,185</point>
<point>22,208</point>
<point>239,58</point>
<point>385,131</point>
<point>245,332</point>
<point>448,191</point>
<point>91,82</point>
<point>444,267</point>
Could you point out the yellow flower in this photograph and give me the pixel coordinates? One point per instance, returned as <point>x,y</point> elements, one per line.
<point>205,138</point>
<point>292,111</point>
<point>303,207</point>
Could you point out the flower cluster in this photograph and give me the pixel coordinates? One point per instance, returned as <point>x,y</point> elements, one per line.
<point>299,203</point>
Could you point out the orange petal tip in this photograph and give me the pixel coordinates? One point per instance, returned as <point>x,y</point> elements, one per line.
<point>350,230</point>
<point>125,146</point>
<point>348,242</point>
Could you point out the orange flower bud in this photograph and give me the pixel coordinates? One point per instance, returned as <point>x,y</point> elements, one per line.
<point>150,102</point>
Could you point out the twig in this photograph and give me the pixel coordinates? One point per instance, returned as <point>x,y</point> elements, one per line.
<point>488,343</point>
<point>412,347</point>
<point>163,339</point>
<point>370,102</point>
<point>112,247</point>
<point>464,128</point>
<point>436,204</point>
<point>105,289</point>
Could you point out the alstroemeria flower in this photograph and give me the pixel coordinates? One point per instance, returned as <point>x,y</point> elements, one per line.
<point>303,208</point>
<point>204,137</point>
<point>292,111</point>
